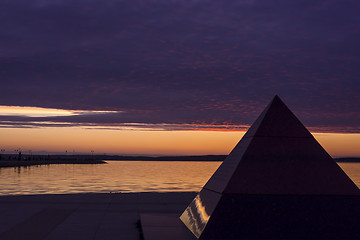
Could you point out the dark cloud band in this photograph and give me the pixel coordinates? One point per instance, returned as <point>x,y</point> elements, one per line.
<point>183,62</point>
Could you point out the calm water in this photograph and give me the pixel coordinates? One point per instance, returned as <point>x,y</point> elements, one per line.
<point>117,176</point>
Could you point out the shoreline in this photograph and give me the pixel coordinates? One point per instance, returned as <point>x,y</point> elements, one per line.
<point>26,163</point>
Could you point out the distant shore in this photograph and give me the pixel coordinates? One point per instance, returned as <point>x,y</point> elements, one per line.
<point>216,158</point>
<point>348,159</point>
<point>202,158</point>
<point>14,161</point>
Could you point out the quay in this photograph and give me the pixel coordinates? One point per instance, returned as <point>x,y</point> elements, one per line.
<point>101,216</point>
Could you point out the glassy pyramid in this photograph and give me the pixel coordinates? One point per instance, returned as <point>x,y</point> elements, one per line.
<point>277,183</point>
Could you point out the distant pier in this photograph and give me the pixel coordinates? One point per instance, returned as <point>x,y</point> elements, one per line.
<point>25,163</point>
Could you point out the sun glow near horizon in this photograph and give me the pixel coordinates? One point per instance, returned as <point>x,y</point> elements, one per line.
<point>82,140</point>
<point>139,142</point>
<point>133,138</point>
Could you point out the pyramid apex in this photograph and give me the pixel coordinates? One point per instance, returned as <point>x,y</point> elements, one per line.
<point>277,120</point>
<point>276,96</point>
<point>277,100</point>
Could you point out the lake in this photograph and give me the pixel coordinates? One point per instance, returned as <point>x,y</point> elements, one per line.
<point>117,176</point>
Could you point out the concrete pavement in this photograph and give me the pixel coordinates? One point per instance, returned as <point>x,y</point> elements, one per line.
<point>83,216</point>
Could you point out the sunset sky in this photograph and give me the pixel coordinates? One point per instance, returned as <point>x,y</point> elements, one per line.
<point>179,77</point>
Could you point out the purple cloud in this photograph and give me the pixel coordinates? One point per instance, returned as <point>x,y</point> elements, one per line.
<point>183,62</point>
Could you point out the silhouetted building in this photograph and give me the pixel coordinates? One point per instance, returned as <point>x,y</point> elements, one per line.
<point>277,183</point>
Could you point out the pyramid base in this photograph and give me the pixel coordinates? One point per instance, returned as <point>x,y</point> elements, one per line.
<point>274,216</point>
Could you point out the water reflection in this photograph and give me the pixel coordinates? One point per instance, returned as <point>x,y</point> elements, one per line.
<point>195,216</point>
<point>116,176</point>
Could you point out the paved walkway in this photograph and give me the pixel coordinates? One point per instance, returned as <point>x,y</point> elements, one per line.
<point>83,216</point>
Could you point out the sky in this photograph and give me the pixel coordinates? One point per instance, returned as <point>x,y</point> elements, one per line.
<point>132,77</point>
